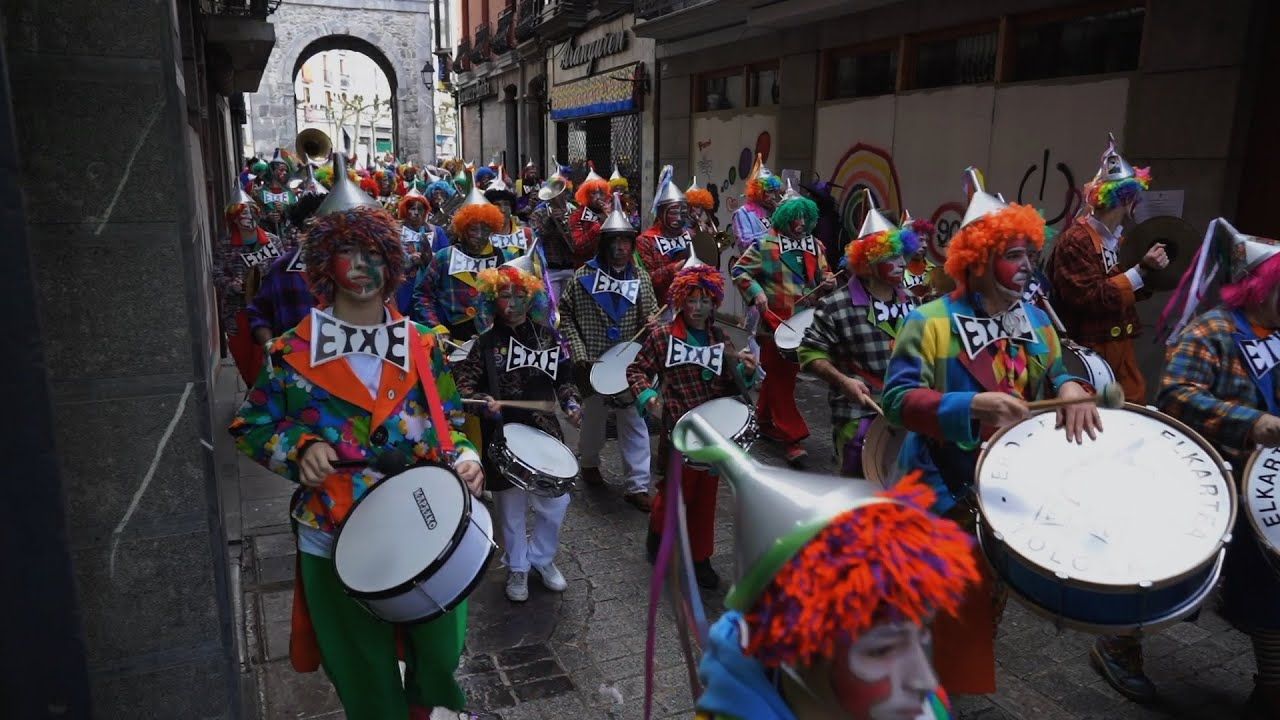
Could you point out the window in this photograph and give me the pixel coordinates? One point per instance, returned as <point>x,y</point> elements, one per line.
<point>739,87</point>
<point>861,72</point>
<point>955,59</point>
<point>763,85</point>
<point>1053,47</point>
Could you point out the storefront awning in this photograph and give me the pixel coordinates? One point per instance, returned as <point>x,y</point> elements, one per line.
<point>606,93</point>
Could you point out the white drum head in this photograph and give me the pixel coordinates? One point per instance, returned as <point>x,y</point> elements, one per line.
<point>880,452</point>
<point>1261,496</point>
<point>1087,364</point>
<point>729,416</point>
<point>788,338</point>
<point>609,375</point>
<point>1148,501</point>
<point>399,528</point>
<point>540,451</point>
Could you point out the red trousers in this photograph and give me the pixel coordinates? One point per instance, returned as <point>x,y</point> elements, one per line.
<point>699,490</point>
<point>248,355</point>
<point>776,410</point>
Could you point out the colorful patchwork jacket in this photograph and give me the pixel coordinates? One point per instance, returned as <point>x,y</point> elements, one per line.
<point>662,256</point>
<point>444,298</point>
<point>783,277</point>
<point>293,404</point>
<point>932,380</point>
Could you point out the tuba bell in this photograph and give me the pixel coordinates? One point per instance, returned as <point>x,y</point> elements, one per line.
<point>313,144</point>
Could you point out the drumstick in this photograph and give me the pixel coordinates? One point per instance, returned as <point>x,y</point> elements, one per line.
<point>542,405</point>
<point>834,275</point>
<point>657,313</point>
<point>1112,396</point>
<point>779,319</point>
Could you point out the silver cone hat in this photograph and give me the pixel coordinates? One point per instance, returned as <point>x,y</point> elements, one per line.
<point>875,221</point>
<point>344,195</point>
<point>982,203</point>
<point>1244,253</point>
<point>1113,166</point>
<point>617,221</point>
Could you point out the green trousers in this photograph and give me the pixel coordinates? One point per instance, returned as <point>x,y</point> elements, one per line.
<point>358,651</point>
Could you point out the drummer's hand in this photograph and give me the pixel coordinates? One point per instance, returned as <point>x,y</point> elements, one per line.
<point>654,408</point>
<point>316,464</point>
<point>473,475</point>
<point>1156,257</point>
<point>1080,419</point>
<point>492,407</point>
<point>575,417</point>
<point>761,302</point>
<point>998,409</point>
<point>827,285</point>
<point>748,361</point>
<point>856,390</point>
<point>1266,431</point>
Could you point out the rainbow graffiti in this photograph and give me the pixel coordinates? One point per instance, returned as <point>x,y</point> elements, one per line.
<point>865,166</point>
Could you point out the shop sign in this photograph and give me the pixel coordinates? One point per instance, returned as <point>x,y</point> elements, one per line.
<point>575,55</point>
<point>481,90</point>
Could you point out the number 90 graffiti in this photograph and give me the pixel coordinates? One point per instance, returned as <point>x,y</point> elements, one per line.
<point>946,220</point>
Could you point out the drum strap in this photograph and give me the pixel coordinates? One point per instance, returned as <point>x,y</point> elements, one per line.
<point>444,431</point>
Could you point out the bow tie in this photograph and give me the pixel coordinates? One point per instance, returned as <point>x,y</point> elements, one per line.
<point>976,333</point>
<point>710,357</point>
<point>332,338</point>
<point>805,244</point>
<point>460,262</point>
<point>1261,355</point>
<point>629,289</point>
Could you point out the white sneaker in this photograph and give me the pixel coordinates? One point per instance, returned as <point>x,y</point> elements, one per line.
<point>551,577</point>
<point>517,586</point>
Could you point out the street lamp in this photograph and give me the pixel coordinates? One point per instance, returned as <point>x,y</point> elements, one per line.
<point>428,72</point>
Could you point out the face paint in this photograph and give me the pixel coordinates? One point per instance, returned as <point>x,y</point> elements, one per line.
<point>673,217</point>
<point>513,305</point>
<point>885,674</point>
<point>246,218</point>
<point>797,227</point>
<point>890,271</point>
<point>697,308</point>
<point>476,238</point>
<point>359,272</point>
<point>279,173</point>
<point>620,252</point>
<point>415,214</point>
<point>1012,268</point>
<point>596,201</point>
<point>437,199</point>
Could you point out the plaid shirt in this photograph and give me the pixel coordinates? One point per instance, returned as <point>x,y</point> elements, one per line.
<point>844,332</point>
<point>587,326</point>
<point>1096,305</point>
<point>783,279</point>
<point>662,267</point>
<point>230,271</point>
<point>443,299</point>
<point>683,387</point>
<point>750,224</point>
<point>1207,385</point>
<point>283,299</point>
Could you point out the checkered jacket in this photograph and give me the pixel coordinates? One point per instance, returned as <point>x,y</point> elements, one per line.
<point>683,387</point>
<point>586,233</point>
<point>1095,305</point>
<point>1207,385</point>
<point>763,269</point>
<point>443,299</point>
<point>586,325</point>
<point>844,333</point>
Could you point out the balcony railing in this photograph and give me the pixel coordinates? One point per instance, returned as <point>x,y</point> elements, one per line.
<point>561,19</point>
<point>528,16</point>
<point>505,37</point>
<point>650,9</point>
<point>255,9</point>
<point>480,53</point>
<point>462,62</point>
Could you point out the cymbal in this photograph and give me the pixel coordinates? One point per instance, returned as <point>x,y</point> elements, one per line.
<point>1180,243</point>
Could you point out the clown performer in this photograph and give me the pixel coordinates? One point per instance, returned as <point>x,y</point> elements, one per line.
<point>609,300</point>
<point>512,234</point>
<point>304,415</point>
<point>284,299</point>
<point>585,222</point>
<point>519,358</point>
<point>665,246</point>
<point>527,188</point>
<point>849,343</point>
<point>1095,298</point>
<point>953,388</point>
<point>550,223</point>
<point>837,585</point>
<point>1229,396</point>
<point>786,270</point>
<point>275,198</point>
<point>751,222</point>
<point>439,192</point>
<point>445,291</point>
<point>242,260</point>
<point>694,362</point>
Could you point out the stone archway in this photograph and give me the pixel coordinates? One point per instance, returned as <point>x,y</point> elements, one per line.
<point>398,40</point>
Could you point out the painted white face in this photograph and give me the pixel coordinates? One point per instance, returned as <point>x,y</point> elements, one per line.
<point>885,674</point>
<point>697,309</point>
<point>246,218</point>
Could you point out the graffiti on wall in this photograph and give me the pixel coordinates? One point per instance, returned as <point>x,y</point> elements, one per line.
<point>870,167</point>
<point>724,151</point>
<point>1032,191</point>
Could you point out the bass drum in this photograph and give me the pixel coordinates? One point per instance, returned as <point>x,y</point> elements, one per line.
<point>1124,533</point>
<point>1087,364</point>
<point>1260,501</point>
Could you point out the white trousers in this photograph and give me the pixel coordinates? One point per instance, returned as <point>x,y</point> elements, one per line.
<point>633,441</point>
<point>522,547</point>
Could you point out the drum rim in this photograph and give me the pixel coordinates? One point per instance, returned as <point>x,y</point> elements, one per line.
<point>879,421</point>
<point>445,553</point>
<point>1245,482</point>
<point>1205,590</point>
<point>566,478</point>
<point>599,364</point>
<point>1142,410</point>
<point>799,335</point>
<point>462,596</point>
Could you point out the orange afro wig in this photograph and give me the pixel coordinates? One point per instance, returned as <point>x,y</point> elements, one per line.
<point>583,194</point>
<point>699,277</point>
<point>869,564</point>
<point>370,186</point>
<point>402,209</point>
<point>468,215</point>
<point>973,246</point>
<point>700,198</point>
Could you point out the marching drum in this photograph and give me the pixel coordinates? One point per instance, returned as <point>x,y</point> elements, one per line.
<point>1086,365</point>
<point>460,353</point>
<point>609,374</point>
<point>788,337</point>
<point>414,546</point>
<point>880,452</point>
<point>1121,533</point>
<point>534,461</point>
<point>1260,500</point>
<point>730,417</point>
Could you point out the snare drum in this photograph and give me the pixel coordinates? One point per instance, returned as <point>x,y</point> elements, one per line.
<point>1260,501</point>
<point>788,338</point>
<point>414,546</point>
<point>1122,533</point>
<point>461,353</point>
<point>609,374</point>
<point>534,461</point>
<point>732,418</point>
<point>1087,365</point>
<point>880,452</point>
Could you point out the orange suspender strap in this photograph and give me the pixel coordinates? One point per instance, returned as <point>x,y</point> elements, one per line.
<point>444,431</point>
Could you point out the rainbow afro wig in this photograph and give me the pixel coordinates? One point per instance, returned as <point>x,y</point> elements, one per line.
<point>792,208</point>
<point>494,280</point>
<point>367,227</point>
<point>700,198</point>
<point>699,277</point>
<point>973,246</point>
<point>1109,194</point>
<point>583,193</point>
<point>879,562</point>
<point>468,215</point>
<point>758,186</point>
<point>864,252</point>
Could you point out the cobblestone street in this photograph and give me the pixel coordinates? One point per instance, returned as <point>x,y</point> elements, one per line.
<point>580,654</point>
